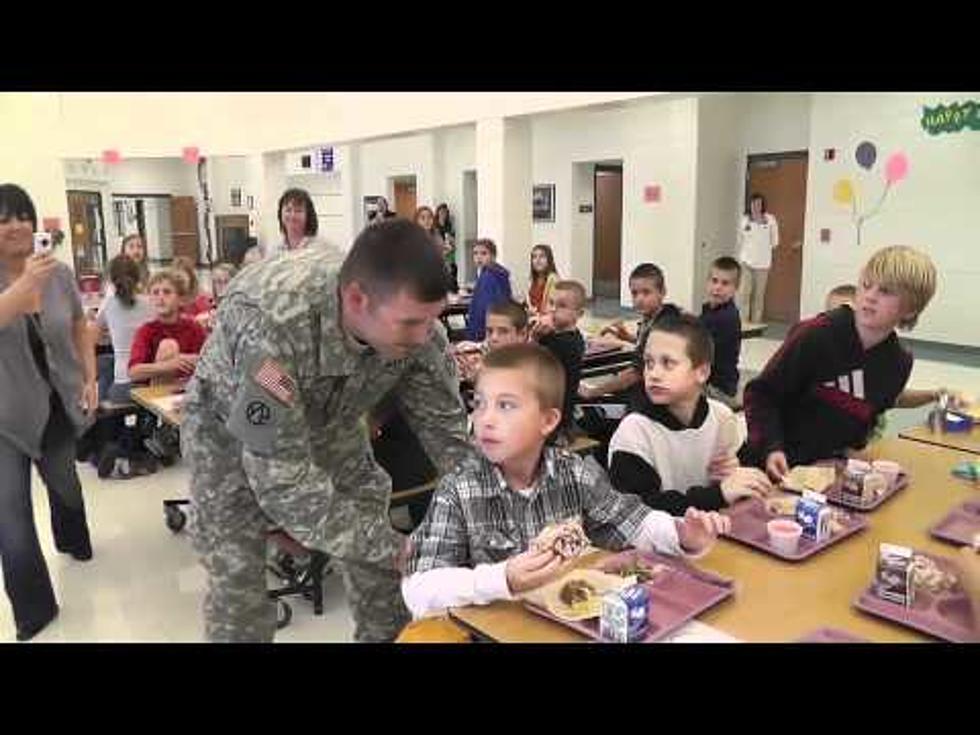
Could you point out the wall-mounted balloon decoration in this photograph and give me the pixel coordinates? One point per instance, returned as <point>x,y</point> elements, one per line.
<point>844,193</point>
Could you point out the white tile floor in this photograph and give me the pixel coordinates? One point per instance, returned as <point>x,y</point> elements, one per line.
<point>144,583</point>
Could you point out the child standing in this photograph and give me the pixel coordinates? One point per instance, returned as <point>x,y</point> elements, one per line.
<point>720,317</point>
<point>492,286</point>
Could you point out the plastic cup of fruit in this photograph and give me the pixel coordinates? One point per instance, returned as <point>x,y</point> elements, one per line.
<point>889,469</point>
<point>784,535</point>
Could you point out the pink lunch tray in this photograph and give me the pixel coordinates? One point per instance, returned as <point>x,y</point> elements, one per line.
<point>948,616</point>
<point>677,595</point>
<point>960,524</point>
<point>830,635</point>
<point>592,349</point>
<point>749,519</point>
<point>835,497</point>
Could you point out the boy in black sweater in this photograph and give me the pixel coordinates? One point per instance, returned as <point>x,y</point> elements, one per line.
<point>822,392</point>
<point>720,317</point>
<point>557,331</point>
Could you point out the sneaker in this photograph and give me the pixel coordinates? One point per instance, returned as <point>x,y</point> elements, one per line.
<point>107,460</point>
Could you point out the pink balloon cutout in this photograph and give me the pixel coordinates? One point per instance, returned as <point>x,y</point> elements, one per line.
<point>896,168</point>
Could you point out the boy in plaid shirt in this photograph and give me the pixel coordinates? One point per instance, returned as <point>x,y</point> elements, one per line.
<point>473,546</point>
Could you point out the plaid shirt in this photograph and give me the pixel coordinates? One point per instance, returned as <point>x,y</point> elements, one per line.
<point>475,518</point>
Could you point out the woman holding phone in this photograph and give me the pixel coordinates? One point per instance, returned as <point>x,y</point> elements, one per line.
<point>48,396</point>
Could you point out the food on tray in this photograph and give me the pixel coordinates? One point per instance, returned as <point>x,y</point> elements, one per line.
<point>816,478</point>
<point>567,539</point>
<point>577,595</point>
<point>839,521</point>
<point>642,570</point>
<point>576,592</point>
<point>782,505</point>
<point>927,575</point>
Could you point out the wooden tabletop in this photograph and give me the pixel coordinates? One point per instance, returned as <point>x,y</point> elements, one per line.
<point>153,398</point>
<point>782,601</point>
<point>966,441</point>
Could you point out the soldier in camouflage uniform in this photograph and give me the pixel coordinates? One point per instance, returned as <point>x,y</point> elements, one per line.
<point>275,421</point>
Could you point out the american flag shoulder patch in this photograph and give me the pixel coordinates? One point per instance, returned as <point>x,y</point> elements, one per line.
<point>276,381</point>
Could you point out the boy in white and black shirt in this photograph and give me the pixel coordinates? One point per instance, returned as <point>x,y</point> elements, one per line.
<point>677,449</point>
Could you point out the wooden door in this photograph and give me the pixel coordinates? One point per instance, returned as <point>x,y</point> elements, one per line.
<point>232,232</point>
<point>405,205</point>
<point>781,179</point>
<point>608,232</point>
<point>86,232</point>
<point>184,229</point>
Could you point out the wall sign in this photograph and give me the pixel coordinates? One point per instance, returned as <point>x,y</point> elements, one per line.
<point>651,193</point>
<point>951,118</point>
<point>543,203</point>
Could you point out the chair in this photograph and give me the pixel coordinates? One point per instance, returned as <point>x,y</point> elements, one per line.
<point>302,570</point>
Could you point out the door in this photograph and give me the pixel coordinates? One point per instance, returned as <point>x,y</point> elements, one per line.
<point>607,232</point>
<point>404,195</point>
<point>781,179</point>
<point>466,232</point>
<point>232,231</point>
<point>184,230</point>
<point>88,240</point>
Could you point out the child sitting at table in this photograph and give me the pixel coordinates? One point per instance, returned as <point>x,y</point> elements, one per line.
<point>507,323</point>
<point>473,546</point>
<point>166,348</point>
<point>677,449</point>
<point>825,387</point>
<point>544,276</point>
<point>557,331</point>
<point>845,295</point>
<point>648,290</point>
<point>721,318</point>
<point>194,303</point>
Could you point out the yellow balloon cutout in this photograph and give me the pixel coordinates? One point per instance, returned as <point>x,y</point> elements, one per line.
<point>844,191</point>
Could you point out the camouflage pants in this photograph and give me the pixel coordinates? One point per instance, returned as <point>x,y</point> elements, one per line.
<point>230,535</point>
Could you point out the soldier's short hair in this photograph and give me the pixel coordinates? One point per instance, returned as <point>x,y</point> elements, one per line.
<point>396,255</point>
<point>535,363</point>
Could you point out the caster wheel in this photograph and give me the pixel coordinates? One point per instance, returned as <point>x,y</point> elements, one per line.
<point>284,613</point>
<point>176,519</point>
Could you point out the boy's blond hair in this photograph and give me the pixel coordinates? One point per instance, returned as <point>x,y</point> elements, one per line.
<point>535,363</point>
<point>846,292</point>
<point>174,277</point>
<point>906,271</point>
<point>575,288</point>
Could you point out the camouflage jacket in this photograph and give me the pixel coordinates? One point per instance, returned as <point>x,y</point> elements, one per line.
<point>280,375</point>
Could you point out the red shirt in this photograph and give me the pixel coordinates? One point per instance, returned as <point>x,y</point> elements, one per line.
<point>189,335</point>
<point>200,305</point>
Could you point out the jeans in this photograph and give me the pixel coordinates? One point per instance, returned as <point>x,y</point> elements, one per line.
<point>25,573</point>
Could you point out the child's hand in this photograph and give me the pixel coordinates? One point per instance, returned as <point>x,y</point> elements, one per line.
<point>777,466</point>
<point>532,569</point>
<point>699,529</point>
<point>544,325</point>
<point>616,329</point>
<point>722,466</point>
<point>745,482</point>
<point>186,363</point>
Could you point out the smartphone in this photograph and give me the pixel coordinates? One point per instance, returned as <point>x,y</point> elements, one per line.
<point>42,243</point>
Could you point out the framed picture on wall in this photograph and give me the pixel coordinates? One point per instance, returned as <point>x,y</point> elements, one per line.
<point>543,203</point>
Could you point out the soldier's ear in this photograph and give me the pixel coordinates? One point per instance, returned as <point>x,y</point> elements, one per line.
<point>355,299</point>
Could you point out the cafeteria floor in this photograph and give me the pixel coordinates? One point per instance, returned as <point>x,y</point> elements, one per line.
<point>145,584</point>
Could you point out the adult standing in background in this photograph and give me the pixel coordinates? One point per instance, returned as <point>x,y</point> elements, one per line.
<point>425,218</point>
<point>758,235</point>
<point>381,212</point>
<point>297,222</point>
<point>447,231</point>
<point>48,395</point>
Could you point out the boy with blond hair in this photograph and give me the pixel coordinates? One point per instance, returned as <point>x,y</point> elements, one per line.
<point>823,390</point>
